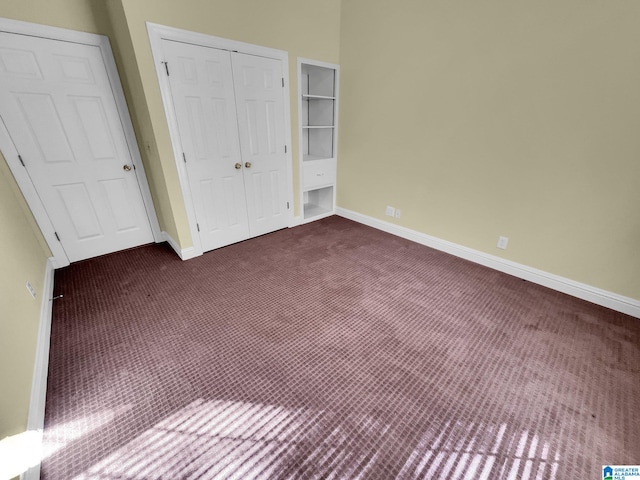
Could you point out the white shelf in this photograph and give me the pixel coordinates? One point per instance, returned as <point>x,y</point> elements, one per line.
<point>310,158</point>
<point>317,97</point>
<point>318,201</point>
<point>317,116</point>
<point>318,142</point>
<point>312,210</point>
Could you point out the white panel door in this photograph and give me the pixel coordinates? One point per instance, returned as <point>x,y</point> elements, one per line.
<point>229,109</point>
<point>260,107</point>
<point>58,107</point>
<point>203,100</point>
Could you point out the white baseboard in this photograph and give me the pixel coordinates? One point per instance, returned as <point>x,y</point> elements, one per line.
<point>592,294</point>
<point>35,420</point>
<point>183,253</point>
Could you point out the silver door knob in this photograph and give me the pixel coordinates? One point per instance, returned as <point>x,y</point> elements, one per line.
<point>127,168</point>
<point>238,166</point>
<point>247,164</point>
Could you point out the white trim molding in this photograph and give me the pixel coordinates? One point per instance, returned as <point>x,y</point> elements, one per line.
<point>35,419</point>
<point>30,195</point>
<point>297,221</point>
<point>583,291</point>
<point>7,146</point>
<point>184,253</point>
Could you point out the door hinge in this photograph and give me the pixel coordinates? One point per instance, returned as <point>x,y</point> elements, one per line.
<point>166,67</point>
<point>184,157</point>
<point>21,161</point>
<point>282,82</point>
<point>198,226</point>
<point>287,205</point>
<point>285,149</point>
<point>57,236</point>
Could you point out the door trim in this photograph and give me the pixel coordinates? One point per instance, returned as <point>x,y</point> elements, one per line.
<point>8,148</point>
<point>157,33</point>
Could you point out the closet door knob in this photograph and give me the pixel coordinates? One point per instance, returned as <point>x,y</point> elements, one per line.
<point>247,164</point>
<point>238,166</point>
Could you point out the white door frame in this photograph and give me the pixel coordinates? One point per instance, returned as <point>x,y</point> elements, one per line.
<point>157,33</point>
<point>8,148</point>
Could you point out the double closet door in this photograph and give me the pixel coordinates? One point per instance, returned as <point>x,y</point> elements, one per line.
<point>229,108</point>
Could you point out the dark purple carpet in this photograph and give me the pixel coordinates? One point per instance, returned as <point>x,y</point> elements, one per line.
<point>332,350</point>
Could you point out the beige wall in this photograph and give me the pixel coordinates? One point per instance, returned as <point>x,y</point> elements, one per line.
<point>302,27</point>
<point>72,14</point>
<point>23,259</point>
<point>480,119</point>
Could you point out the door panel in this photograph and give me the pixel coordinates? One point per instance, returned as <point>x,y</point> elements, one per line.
<point>95,127</point>
<point>58,106</point>
<point>260,106</point>
<point>79,209</point>
<point>119,198</point>
<point>203,99</point>
<point>41,117</point>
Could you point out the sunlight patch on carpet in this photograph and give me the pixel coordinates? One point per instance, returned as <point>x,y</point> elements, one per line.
<point>231,439</point>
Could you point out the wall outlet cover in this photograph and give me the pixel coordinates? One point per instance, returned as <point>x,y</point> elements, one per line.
<point>390,211</point>
<point>31,290</point>
<point>503,242</point>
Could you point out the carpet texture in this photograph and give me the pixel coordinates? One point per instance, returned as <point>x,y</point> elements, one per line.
<point>332,350</point>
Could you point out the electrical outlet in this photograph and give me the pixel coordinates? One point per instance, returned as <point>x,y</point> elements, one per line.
<point>31,290</point>
<point>390,211</point>
<point>502,242</point>
<point>397,213</point>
